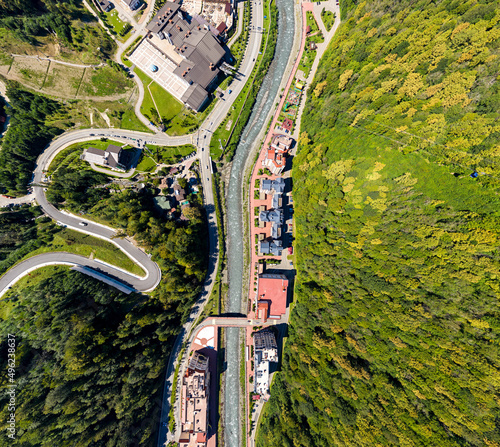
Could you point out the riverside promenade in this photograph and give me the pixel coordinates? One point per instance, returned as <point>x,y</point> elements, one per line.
<point>255,203</point>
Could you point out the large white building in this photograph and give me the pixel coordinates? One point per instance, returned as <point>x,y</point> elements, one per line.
<point>265,351</point>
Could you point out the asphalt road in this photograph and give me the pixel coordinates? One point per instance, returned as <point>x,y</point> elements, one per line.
<point>201,139</point>
<point>62,258</point>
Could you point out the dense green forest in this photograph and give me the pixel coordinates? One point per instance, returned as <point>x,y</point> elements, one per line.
<point>20,234</point>
<point>77,188</point>
<point>175,245</point>
<point>89,363</point>
<point>26,137</point>
<point>91,359</point>
<point>394,334</point>
<point>67,21</point>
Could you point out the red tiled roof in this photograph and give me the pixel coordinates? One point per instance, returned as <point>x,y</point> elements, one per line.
<point>274,291</point>
<point>222,27</point>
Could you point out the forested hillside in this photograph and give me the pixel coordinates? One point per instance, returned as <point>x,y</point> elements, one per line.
<point>394,334</point>
<point>45,23</point>
<point>90,360</point>
<point>89,364</point>
<point>26,137</point>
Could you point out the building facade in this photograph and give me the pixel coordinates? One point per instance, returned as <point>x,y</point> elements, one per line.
<point>194,402</point>
<point>265,352</point>
<point>111,158</point>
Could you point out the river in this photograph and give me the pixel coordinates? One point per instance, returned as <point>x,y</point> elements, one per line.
<point>265,101</point>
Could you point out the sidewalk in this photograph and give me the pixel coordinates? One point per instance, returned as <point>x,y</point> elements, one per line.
<point>316,10</point>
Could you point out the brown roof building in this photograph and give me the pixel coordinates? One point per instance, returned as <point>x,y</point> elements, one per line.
<point>275,159</point>
<point>194,403</point>
<point>180,193</point>
<point>200,51</point>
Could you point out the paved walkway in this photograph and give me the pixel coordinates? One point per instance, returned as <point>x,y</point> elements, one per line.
<point>321,48</point>
<point>316,10</point>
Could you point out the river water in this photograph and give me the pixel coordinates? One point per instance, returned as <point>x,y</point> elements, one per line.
<point>265,100</point>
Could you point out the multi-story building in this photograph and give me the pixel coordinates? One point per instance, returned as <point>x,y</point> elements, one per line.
<point>272,296</point>
<point>275,159</point>
<point>194,402</point>
<point>274,216</point>
<point>193,53</point>
<point>265,352</point>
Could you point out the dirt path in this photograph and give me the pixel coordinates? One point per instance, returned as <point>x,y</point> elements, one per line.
<point>57,61</point>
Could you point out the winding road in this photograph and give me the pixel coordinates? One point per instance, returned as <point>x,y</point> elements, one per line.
<point>201,139</point>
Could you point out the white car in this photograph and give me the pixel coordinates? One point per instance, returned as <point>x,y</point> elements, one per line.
<point>83,224</point>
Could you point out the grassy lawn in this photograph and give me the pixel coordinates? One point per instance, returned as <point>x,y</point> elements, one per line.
<point>170,154</point>
<point>69,157</point>
<point>146,164</point>
<point>328,18</point>
<point>92,36</point>
<point>105,81</point>
<point>309,55</point>
<point>311,21</point>
<point>130,121</point>
<point>116,25</point>
<point>83,244</point>
<point>178,119</point>
<point>168,106</point>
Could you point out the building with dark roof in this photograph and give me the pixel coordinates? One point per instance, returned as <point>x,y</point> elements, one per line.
<point>132,4</point>
<point>271,216</point>
<point>197,52</point>
<point>180,193</point>
<point>111,158</point>
<point>274,247</point>
<point>105,5</point>
<point>277,186</point>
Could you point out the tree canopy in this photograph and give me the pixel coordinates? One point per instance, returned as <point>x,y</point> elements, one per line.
<point>89,363</point>
<point>393,338</point>
<point>26,137</point>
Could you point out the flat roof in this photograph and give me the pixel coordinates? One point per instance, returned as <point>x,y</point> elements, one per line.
<point>274,289</point>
